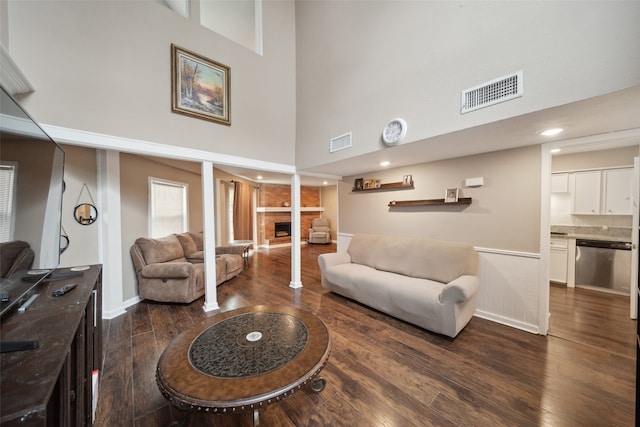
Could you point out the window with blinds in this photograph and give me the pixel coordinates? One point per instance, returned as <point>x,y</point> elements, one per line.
<point>8,175</point>
<point>168,207</point>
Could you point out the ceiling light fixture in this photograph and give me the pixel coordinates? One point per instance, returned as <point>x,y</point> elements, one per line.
<point>556,150</point>
<point>551,132</point>
<point>259,177</point>
<point>385,163</point>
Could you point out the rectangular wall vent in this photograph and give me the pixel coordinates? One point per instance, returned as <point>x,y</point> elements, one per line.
<point>493,92</point>
<point>340,142</point>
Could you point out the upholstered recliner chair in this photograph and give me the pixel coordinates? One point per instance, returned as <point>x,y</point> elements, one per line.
<point>164,274</point>
<point>15,256</point>
<point>320,231</point>
<point>171,269</point>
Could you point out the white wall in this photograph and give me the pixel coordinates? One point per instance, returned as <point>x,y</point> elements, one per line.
<point>504,214</point>
<point>104,66</point>
<point>80,168</point>
<point>378,60</point>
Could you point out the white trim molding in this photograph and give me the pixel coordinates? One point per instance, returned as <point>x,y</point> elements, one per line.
<point>11,76</point>
<point>136,146</point>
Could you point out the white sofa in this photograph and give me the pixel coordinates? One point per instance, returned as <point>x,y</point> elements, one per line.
<point>429,283</point>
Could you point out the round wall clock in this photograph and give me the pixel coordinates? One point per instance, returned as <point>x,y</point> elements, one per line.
<point>394,131</point>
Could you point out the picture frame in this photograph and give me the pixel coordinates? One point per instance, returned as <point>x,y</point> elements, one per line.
<point>407,180</point>
<point>358,184</point>
<point>200,87</point>
<point>378,183</point>
<point>451,196</point>
<point>369,184</point>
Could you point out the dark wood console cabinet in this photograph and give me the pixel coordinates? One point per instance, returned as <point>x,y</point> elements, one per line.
<point>52,384</point>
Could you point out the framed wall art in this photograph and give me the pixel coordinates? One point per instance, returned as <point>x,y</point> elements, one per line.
<point>200,87</point>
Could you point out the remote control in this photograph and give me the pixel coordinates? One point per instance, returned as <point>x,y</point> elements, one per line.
<point>63,290</point>
<point>8,346</point>
<point>4,296</point>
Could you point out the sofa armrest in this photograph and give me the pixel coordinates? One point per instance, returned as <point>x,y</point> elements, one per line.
<point>231,249</point>
<point>334,258</point>
<point>460,289</point>
<point>167,270</point>
<point>196,257</point>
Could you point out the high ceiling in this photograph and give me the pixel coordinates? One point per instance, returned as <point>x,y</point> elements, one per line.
<point>599,115</point>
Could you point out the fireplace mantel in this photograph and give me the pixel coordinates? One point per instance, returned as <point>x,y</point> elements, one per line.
<point>288,209</point>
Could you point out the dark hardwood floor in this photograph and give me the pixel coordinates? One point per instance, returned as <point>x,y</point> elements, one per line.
<point>384,372</point>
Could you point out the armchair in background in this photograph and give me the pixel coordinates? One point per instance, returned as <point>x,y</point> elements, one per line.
<point>320,232</point>
<point>15,255</point>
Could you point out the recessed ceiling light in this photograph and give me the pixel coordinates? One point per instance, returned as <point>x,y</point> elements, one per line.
<point>259,177</point>
<point>325,182</point>
<point>385,163</point>
<point>551,132</point>
<point>556,150</point>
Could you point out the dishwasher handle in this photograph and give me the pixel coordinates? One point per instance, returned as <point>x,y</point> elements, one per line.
<point>604,244</point>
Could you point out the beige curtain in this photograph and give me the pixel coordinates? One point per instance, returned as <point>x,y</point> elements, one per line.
<point>242,211</point>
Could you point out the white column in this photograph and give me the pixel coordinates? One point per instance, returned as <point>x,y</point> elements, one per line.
<point>209,235</point>
<point>110,232</point>
<point>296,275</point>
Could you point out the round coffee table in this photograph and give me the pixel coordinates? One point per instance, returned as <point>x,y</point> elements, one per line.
<point>244,359</point>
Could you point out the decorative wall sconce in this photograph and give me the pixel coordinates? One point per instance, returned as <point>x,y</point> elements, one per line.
<point>85,213</point>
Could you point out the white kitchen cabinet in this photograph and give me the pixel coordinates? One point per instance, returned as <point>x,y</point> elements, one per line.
<point>602,192</point>
<point>558,261</point>
<point>559,183</point>
<point>618,188</point>
<point>586,192</point>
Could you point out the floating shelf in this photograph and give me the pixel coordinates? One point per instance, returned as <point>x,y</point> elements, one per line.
<point>430,202</point>
<point>288,209</point>
<point>386,187</point>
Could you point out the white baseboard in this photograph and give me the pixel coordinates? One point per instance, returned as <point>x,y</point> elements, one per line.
<point>527,327</point>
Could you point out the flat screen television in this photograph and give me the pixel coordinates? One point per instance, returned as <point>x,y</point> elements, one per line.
<point>31,187</point>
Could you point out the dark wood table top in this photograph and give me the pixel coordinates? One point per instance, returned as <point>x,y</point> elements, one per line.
<point>28,377</point>
<point>243,359</point>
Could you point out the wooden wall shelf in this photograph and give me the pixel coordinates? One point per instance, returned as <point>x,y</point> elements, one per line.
<point>430,202</point>
<point>386,187</point>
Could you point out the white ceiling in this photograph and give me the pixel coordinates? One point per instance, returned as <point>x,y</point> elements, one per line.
<point>595,116</point>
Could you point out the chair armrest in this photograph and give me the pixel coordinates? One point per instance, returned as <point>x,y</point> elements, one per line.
<point>460,289</point>
<point>167,270</point>
<point>334,258</point>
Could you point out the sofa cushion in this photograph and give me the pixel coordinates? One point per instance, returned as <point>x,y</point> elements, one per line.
<point>321,229</point>
<point>188,245</point>
<point>163,249</point>
<point>167,270</point>
<point>198,240</point>
<point>424,258</point>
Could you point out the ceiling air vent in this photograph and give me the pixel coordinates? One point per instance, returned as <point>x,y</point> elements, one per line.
<point>340,142</point>
<point>493,92</point>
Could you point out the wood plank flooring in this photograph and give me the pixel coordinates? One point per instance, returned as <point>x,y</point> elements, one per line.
<point>384,372</point>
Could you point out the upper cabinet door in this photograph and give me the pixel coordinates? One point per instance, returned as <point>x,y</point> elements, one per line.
<point>586,193</point>
<point>618,188</point>
<point>560,182</point>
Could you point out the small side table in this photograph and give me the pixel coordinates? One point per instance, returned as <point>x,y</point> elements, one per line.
<point>246,245</point>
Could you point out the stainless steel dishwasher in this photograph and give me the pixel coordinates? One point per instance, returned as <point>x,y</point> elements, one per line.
<point>603,265</point>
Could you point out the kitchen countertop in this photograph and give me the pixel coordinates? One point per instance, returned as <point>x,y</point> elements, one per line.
<point>615,234</point>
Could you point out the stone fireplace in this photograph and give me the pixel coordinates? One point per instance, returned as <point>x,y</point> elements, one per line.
<point>282,229</point>
<point>274,213</point>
